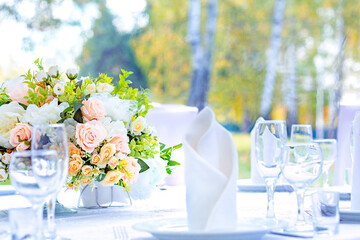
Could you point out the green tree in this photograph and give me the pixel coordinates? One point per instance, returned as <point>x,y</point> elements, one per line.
<point>108,51</point>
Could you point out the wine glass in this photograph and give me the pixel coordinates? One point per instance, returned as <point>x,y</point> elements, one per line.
<point>270,138</point>
<point>53,136</point>
<point>329,153</point>
<point>301,133</point>
<point>36,189</point>
<point>301,167</point>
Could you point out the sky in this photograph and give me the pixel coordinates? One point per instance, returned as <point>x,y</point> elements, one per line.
<point>59,47</point>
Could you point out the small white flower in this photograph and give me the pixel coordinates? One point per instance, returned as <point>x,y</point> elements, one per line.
<point>6,157</point>
<point>72,73</point>
<point>59,89</point>
<point>41,75</point>
<point>54,71</point>
<point>3,175</point>
<point>104,88</point>
<point>91,88</point>
<point>138,125</point>
<point>2,166</point>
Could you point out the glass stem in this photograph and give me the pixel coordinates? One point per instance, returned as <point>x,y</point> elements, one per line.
<point>270,185</point>
<point>51,230</point>
<point>38,211</point>
<point>326,178</point>
<point>300,202</point>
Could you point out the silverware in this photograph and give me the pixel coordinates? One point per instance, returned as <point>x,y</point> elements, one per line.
<point>120,233</point>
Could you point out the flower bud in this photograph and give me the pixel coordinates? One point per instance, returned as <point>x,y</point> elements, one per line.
<point>53,71</point>
<point>72,73</point>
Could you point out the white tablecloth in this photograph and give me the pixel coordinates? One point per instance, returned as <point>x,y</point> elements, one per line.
<point>170,203</point>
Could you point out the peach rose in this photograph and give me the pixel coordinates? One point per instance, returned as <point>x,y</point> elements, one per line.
<point>76,157</point>
<point>107,151</point>
<point>112,177</point>
<point>86,170</point>
<point>17,89</point>
<point>20,133</point>
<point>85,180</point>
<point>121,143</point>
<point>132,170</point>
<point>113,162</point>
<point>89,135</point>
<point>22,147</point>
<point>74,167</point>
<point>95,159</point>
<point>73,150</point>
<point>93,109</point>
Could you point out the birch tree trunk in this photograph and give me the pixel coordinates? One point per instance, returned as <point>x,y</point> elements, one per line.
<point>337,89</point>
<point>319,124</point>
<point>202,55</point>
<point>289,85</point>
<point>272,58</point>
<point>194,37</point>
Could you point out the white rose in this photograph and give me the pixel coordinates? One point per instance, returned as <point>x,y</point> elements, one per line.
<point>41,75</point>
<point>104,88</point>
<point>59,89</point>
<point>72,73</point>
<point>48,113</point>
<point>138,125</point>
<point>3,175</point>
<point>54,71</point>
<point>117,109</point>
<point>10,114</point>
<point>114,128</point>
<point>6,158</point>
<point>70,128</point>
<point>91,88</point>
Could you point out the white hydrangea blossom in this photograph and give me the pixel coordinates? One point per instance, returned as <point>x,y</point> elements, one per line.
<point>117,109</point>
<point>114,128</point>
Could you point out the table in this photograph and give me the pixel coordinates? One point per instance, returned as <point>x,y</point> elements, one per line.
<point>170,203</point>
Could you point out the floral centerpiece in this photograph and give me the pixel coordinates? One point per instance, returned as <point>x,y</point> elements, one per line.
<point>108,137</point>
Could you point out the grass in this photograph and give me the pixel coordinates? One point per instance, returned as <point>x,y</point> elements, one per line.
<point>243,143</point>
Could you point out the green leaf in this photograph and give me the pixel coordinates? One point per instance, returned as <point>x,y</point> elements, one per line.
<point>100,177</point>
<point>173,163</point>
<point>143,165</point>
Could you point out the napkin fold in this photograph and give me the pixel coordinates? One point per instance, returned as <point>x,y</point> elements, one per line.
<point>256,177</point>
<point>211,172</point>
<point>355,190</point>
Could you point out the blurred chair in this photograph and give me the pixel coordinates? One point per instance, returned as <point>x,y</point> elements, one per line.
<point>171,122</point>
<point>346,115</point>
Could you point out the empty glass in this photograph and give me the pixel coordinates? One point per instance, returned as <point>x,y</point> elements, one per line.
<point>301,133</point>
<point>325,212</point>
<point>270,138</point>
<point>302,166</point>
<point>53,136</point>
<point>35,189</point>
<point>329,153</point>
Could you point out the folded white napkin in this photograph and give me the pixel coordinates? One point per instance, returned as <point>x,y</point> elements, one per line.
<point>211,172</point>
<point>255,174</point>
<point>355,189</point>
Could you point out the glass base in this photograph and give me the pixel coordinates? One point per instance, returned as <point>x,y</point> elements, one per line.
<point>300,227</point>
<point>60,210</point>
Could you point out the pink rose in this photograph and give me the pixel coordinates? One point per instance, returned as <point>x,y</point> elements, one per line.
<point>133,168</point>
<point>121,143</point>
<point>20,133</point>
<point>17,89</point>
<point>93,109</point>
<point>89,135</point>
